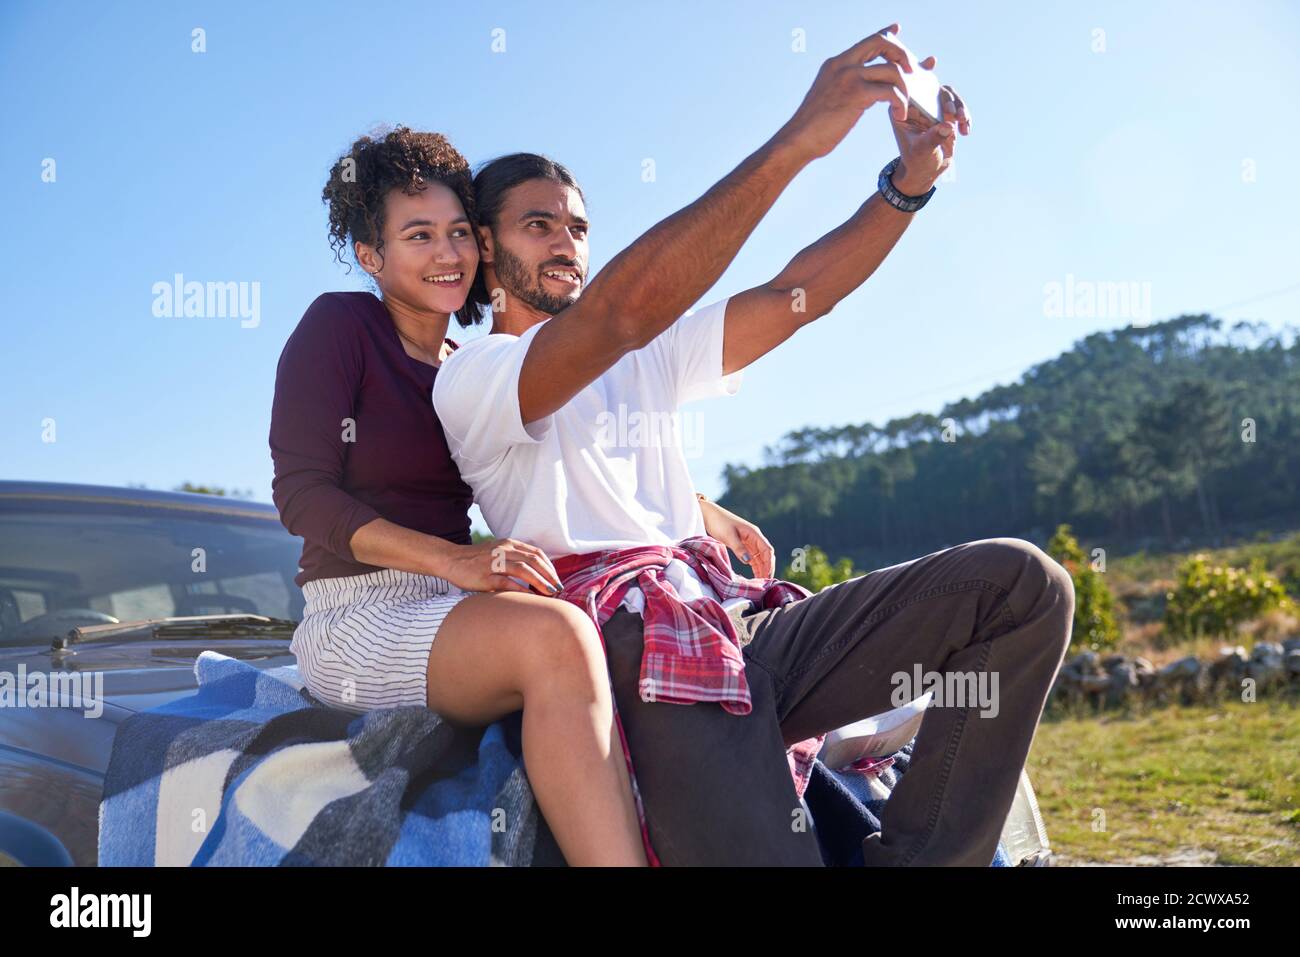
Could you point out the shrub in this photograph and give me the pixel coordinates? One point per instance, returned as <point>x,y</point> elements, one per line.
<point>1095,626</point>
<point>1212,600</point>
<point>813,569</point>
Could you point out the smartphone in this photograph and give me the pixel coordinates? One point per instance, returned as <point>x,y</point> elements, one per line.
<point>923,107</point>
<point>923,104</point>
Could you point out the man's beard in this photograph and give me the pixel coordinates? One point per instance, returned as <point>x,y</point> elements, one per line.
<point>518,282</point>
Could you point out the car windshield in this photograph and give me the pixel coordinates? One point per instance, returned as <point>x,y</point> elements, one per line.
<point>64,564</point>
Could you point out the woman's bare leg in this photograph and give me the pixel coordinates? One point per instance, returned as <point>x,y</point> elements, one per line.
<point>499,652</point>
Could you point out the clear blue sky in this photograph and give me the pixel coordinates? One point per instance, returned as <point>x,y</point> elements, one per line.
<point>1166,158</point>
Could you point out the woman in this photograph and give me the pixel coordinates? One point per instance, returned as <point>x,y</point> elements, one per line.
<point>363,475</point>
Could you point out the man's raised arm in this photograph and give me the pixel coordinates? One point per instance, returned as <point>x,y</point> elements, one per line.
<point>760,319</point>
<point>649,285</point>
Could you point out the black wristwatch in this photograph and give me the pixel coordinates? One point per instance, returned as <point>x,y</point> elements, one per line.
<point>908,204</point>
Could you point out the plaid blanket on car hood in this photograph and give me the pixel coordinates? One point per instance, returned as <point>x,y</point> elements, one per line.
<point>251,770</point>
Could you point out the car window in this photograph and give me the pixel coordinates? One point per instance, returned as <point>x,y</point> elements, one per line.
<point>151,601</point>
<point>127,562</point>
<point>30,603</point>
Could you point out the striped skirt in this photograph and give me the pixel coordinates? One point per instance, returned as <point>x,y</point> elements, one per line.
<point>364,640</point>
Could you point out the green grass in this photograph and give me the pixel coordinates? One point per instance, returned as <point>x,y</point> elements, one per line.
<point>1223,778</point>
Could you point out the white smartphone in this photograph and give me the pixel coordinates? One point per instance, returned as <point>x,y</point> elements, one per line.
<point>923,103</point>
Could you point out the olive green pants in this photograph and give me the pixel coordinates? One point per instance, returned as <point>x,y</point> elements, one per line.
<point>991,618</point>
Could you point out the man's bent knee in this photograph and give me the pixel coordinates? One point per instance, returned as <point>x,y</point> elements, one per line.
<point>1007,561</point>
<point>1015,563</point>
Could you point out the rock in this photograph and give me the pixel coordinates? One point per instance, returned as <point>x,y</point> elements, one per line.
<point>1265,674</point>
<point>1113,680</point>
<point>1085,662</point>
<point>1230,666</point>
<point>1183,679</point>
<point>1269,651</point>
<point>1265,665</point>
<point>1188,667</point>
<point>1094,684</point>
<point>1121,683</point>
<point>1292,663</point>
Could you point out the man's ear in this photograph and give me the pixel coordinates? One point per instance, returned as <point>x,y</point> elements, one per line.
<point>369,259</point>
<point>485,244</point>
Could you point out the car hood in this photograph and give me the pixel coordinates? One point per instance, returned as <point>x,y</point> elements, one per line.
<point>141,674</point>
<point>137,675</point>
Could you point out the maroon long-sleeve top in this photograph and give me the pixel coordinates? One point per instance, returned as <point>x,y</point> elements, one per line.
<point>354,437</point>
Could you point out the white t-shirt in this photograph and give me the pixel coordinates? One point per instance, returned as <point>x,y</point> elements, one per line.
<point>608,470</point>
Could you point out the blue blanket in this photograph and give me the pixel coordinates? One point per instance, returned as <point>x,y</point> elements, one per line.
<point>252,771</point>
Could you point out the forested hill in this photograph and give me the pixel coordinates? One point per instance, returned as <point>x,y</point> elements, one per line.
<point>1159,435</point>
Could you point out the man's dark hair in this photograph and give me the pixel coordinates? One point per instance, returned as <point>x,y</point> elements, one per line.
<point>499,176</point>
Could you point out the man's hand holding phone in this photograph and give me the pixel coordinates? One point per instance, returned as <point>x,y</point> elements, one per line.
<point>846,85</point>
<point>935,115</point>
<point>926,115</point>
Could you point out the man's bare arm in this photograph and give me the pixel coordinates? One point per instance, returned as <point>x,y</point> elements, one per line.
<point>760,319</point>
<point>654,281</point>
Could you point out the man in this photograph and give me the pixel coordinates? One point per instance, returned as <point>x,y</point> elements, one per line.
<point>526,412</point>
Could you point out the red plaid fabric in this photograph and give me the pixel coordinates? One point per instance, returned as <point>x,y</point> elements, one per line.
<point>869,765</point>
<point>692,653</point>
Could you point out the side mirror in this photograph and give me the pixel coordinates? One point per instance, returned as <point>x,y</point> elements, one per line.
<point>29,845</point>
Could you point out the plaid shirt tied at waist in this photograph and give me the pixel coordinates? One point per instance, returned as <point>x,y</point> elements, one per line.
<point>692,652</point>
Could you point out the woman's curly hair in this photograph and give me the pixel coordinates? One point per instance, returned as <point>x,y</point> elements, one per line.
<point>400,158</point>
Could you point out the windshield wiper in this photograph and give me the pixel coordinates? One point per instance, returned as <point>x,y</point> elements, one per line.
<point>189,626</point>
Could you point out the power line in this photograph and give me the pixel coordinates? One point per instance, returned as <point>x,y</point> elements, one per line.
<point>1268,295</point>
